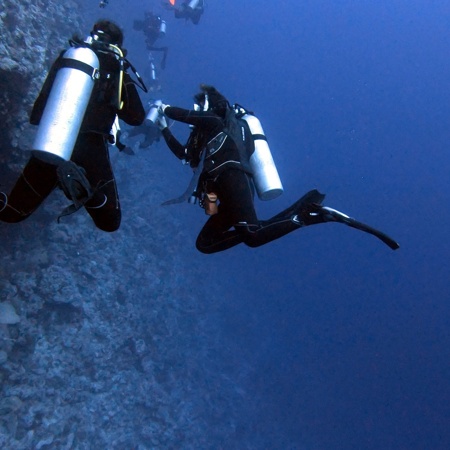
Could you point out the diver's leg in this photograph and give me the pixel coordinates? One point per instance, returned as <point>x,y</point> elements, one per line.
<point>311,197</point>
<point>91,152</point>
<point>216,236</point>
<point>237,210</point>
<point>306,211</point>
<point>179,14</point>
<point>35,183</point>
<point>195,16</point>
<point>235,205</point>
<point>264,231</point>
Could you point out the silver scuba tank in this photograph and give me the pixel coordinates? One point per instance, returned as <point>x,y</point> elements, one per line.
<point>162,28</point>
<point>193,4</point>
<point>153,112</point>
<point>66,105</point>
<point>265,174</point>
<point>152,69</point>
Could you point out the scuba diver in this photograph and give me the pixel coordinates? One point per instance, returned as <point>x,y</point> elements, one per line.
<point>86,90</point>
<point>151,134</point>
<point>154,28</point>
<point>225,177</point>
<point>190,10</point>
<point>154,84</point>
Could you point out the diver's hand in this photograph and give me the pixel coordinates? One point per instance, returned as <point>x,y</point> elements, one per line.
<point>162,108</point>
<point>161,122</point>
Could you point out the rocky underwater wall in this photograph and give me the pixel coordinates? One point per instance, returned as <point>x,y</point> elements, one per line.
<point>106,340</point>
<point>33,32</point>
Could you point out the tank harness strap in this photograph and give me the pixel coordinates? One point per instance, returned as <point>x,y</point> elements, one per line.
<point>79,65</point>
<point>125,63</point>
<point>259,136</point>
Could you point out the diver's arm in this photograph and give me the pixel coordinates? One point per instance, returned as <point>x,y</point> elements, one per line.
<point>132,112</point>
<point>174,145</point>
<point>202,119</point>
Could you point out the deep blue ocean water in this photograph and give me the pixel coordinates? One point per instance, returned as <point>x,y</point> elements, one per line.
<point>348,341</point>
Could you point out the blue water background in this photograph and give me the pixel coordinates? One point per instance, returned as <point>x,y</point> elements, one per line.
<point>348,341</point>
<point>351,339</point>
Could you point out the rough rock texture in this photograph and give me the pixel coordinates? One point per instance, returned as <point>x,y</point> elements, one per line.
<point>116,342</point>
<point>33,32</point>
<point>116,345</point>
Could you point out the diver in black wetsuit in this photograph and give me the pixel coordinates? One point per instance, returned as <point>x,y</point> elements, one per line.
<point>154,28</point>
<point>190,10</point>
<point>150,133</point>
<point>225,186</point>
<point>87,178</point>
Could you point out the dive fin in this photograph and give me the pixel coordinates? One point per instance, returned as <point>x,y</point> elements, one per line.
<point>75,185</point>
<point>337,216</point>
<point>313,197</point>
<point>187,193</point>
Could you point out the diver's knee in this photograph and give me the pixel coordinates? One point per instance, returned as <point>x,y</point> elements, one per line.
<point>109,228</point>
<point>9,214</point>
<point>202,247</point>
<point>3,201</point>
<point>106,215</point>
<point>108,222</point>
<point>248,232</point>
<point>252,243</point>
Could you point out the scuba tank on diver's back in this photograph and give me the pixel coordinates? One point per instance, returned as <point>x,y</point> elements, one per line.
<point>265,174</point>
<point>193,4</point>
<point>162,28</point>
<point>66,105</point>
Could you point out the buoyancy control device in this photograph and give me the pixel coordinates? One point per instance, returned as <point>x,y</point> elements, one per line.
<point>66,104</point>
<point>240,124</point>
<point>264,171</point>
<point>78,71</point>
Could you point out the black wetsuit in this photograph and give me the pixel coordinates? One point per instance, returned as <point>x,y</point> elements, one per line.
<point>90,152</point>
<point>228,175</point>
<point>226,172</point>
<point>151,27</point>
<point>193,14</point>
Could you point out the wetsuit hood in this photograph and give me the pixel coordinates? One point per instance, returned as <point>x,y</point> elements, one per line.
<point>217,102</point>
